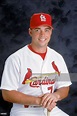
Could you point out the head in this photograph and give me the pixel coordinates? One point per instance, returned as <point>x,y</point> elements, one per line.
<point>40,29</point>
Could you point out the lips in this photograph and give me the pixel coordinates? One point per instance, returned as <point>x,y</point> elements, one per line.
<point>42,39</point>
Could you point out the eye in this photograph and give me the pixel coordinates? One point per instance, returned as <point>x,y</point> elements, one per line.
<point>37,30</point>
<point>46,30</point>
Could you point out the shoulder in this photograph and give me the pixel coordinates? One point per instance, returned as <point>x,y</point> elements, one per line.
<point>16,56</point>
<point>54,53</point>
<point>59,60</point>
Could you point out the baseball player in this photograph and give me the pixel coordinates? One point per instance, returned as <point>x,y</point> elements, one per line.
<point>36,76</point>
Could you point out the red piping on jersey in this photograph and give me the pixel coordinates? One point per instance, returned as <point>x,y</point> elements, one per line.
<point>41,54</point>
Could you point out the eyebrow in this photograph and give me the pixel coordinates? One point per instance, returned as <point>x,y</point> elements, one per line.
<point>37,28</point>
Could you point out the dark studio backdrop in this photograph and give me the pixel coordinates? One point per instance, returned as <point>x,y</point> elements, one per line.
<point>14,24</point>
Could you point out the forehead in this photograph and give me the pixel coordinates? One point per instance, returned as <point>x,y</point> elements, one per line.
<point>43,27</point>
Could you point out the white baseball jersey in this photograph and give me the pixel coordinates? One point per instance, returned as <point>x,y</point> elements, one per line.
<point>27,72</point>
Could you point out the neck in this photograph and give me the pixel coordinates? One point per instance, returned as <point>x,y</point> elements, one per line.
<point>39,49</point>
<point>42,54</point>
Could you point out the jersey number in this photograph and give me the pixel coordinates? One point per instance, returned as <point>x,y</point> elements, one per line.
<point>50,88</point>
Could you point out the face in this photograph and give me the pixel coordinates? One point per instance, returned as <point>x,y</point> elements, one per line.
<point>40,36</point>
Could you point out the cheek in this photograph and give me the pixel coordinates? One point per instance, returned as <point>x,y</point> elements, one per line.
<point>48,35</point>
<point>35,35</point>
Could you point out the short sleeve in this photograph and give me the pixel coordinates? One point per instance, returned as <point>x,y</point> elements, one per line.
<point>64,78</point>
<point>11,74</point>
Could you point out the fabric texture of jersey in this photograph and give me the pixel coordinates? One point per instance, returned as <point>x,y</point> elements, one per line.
<point>27,72</point>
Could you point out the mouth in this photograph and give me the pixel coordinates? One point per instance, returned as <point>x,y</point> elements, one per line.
<point>42,40</point>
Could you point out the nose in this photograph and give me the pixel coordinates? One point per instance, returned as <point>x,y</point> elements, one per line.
<point>42,32</point>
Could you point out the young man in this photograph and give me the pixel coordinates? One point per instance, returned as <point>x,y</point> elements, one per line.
<point>36,77</point>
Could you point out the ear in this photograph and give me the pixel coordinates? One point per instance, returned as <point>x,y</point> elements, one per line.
<point>30,32</point>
